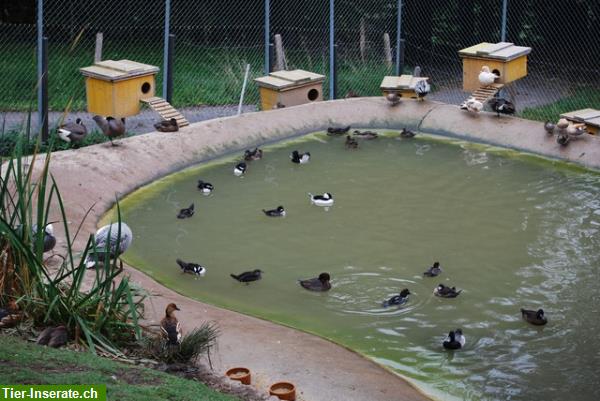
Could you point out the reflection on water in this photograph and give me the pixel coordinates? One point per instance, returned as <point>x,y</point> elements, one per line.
<point>510,232</point>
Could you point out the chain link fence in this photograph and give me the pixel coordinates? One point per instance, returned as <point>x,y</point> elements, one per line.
<point>214,40</point>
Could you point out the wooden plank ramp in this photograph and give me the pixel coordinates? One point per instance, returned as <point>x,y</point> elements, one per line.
<point>165,110</point>
<point>485,93</point>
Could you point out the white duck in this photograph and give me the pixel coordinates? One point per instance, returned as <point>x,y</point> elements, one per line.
<point>486,77</point>
<point>473,105</point>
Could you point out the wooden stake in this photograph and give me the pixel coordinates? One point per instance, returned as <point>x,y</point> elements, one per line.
<point>363,40</point>
<point>280,61</point>
<point>98,52</point>
<point>387,49</point>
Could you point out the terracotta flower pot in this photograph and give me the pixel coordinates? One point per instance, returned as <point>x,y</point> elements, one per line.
<point>240,374</point>
<point>283,391</point>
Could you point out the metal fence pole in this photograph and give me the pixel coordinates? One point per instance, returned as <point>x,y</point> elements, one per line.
<point>44,91</point>
<point>332,75</point>
<point>165,87</point>
<point>267,37</point>
<point>40,72</point>
<point>399,47</point>
<point>504,16</point>
<point>169,76</point>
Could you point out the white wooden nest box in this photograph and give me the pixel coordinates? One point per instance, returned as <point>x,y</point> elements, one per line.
<point>589,117</point>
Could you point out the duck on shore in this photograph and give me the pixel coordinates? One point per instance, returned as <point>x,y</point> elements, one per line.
<point>170,326</point>
<point>108,236</point>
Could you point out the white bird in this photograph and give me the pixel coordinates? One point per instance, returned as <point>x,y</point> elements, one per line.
<point>575,130</point>
<point>117,240</point>
<point>486,77</point>
<point>422,88</point>
<point>321,200</point>
<point>473,105</point>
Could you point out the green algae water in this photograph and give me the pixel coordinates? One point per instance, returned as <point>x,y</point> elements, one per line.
<point>511,231</point>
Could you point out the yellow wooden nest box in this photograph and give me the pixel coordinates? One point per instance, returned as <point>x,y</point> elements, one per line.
<point>589,117</point>
<point>403,86</point>
<point>504,59</point>
<point>115,88</point>
<point>290,88</point>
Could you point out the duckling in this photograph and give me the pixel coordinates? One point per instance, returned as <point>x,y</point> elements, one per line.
<point>320,283</point>
<point>337,131</point>
<point>279,212</point>
<point>473,105</point>
<point>111,127</point>
<point>434,270</point>
<point>351,142</point>
<point>406,133</point>
<point>205,187</point>
<point>255,154</point>
<point>536,318</point>
<point>192,268</point>
<point>422,88</point>
<point>186,212</point>
<point>455,340</point>
<point>102,240</point>
<point>49,238</point>
<point>549,127</point>
<point>397,299</point>
<point>170,326</point>
<point>300,158</point>
<point>486,77</point>
<point>321,200</point>
<point>247,277</point>
<point>240,169</point>
<point>393,99</point>
<point>10,315</point>
<point>167,126</point>
<point>446,292</point>
<point>73,132</point>
<point>366,134</point>
<point>501,105</point>
<point>54,337</point>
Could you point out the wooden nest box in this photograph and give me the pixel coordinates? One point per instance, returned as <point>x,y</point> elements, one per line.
<point>589,117</point>
<point>504,59</point>
<point>403,86</point>
<point>289,88</point>
<point>115,88</point>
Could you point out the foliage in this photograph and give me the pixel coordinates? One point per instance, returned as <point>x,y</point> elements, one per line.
<point>582,99</point>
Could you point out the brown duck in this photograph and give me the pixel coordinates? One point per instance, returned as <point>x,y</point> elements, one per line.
<point>54,337</point>
<point>320,283</point>
<point>111,127</point>
<point>170,327</point>
<point>167,126</point>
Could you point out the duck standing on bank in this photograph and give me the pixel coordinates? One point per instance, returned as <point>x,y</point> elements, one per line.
<point>321,283</point>
<point>73,132</point>
<point>446,292</point>
<point>167,126</point>
<point>472,105</point>
<point>433,271</point>
<point>49,238</point>
<point>278,212</point>
<point>300,158</point>
<point>111,127</point>
<point>170,326</point>
<point>192,268</point>
<point>205,187</point>
<point>393,99</point>
<point>536,318</point>
<point>455,340</point>
<point>501,106</point>
<point>562,137</point>
<point>249,276</point>
<point>550,127</point>
<point>117,237</point>
<point>422,89</point>
<point>400,299</point>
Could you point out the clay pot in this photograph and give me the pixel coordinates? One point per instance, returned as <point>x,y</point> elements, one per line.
<point>283,391</point>
<point>240,374</point>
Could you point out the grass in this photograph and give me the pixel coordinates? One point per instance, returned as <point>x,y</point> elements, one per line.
<point>582,99</point>
<point>25,363</point>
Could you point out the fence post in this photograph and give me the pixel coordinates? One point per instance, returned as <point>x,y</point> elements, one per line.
<point>165,88</point>
<point>44,87</point>
<point>332,66</point>
<point>40,72</point>
<point>504,16</point>
<point>170,60</point>
<point>399,44</point>
<point>267,37</point>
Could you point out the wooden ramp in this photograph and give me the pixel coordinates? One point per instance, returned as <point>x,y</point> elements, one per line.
<point>165,110</point>
<point>485,93</point>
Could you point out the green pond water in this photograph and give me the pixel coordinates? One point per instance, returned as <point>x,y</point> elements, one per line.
<point>512,231</point>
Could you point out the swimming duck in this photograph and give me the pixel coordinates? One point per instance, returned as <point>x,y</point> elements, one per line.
<point>186,212</point>
<point>434,270</point>
<point>248,276</point>
<point>406,133</point>
<point>300,158</point>
<point>320,283</point>
<point>455,340</point>
<point>473,105</point>
<point>549,127</point>
<point>205,187</point>
<point>366,134</point>
<point>422,88</point>
<point>486,77</point>
<point>446,292</point>
<point>321,200</point>
<point>393,98</point>
<point>255,154</point>
<point>279,212</point>
<point>351,142</point>
<point>240,169</point>
<point>501,105</point>
<point>192,268</point>
<point>107,236</point>
<point>397,299</point>
<point>54,337</point>
<point>49,238</point>
<point>536,318</point>
<point>170,326</point>
<point>336,131</point>
<point>10,315</point>
<point>167,126</point>
<point>73,132</point>
<point>111,127</point>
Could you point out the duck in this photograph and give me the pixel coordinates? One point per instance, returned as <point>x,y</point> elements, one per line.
<point>536,318</point>
<point>73,132</point>
<point>473,105</point>
<point>255,154</point>
<point>422,88</point>
<point>192,268</point>
<point>54,337</point>
<point>321,283</point>
<point>107,236</point>
<point>167,126</point>
<point>455,340</point>
<point>49,238</point>
<point>337,131</point>
<point>575,130</point>
<point>446,292</point>
<point>321,200</point>
<point>240,169</point>
<point>278,212</point>
<point>563,139</point>
<point>366,134</point>
<point>486,77</point>
<point>397,299</point>
<point>549,127</point>
<point>247,277</point>
<point>351,93</point>
<point>170,326</point>
<point>186,212</point>
<point>393,99</point>
<point>205,187</point>
<point>351,142</point>
<point>10,315</point>
<point>501,105</point>
<point>300,158</point>
<point>406,133</point>
<point>433,271</point>
<point>111,127</point>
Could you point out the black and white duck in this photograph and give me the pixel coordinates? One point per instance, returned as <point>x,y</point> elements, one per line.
<point>54,337</point>
<point>422,89</point>
<point>240,169</point>
<point>433,271</point>
<point>186,213</point>
<point>170,326</point>
<point>366,134</point>
<point>406,133</point>
<point>247,277</point>
<point>277,212</point>
<point>325,200</point>
<point>446,292</point>
<point>351,143</point>
<point>111,127</point>
<point>167,125</point>
<point>536,318</point>
<point>49,238</point>
<point>455,340</point>
<point>501,106</point>
<point>73,132</point>
<point>192,268</point>
<point>400,299</point>
<point>205,187</point>
<point>337,131</point>
<point>300,158</point>
<point>117,237</point>
<point>321,283</point>
<point>254,154</point>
